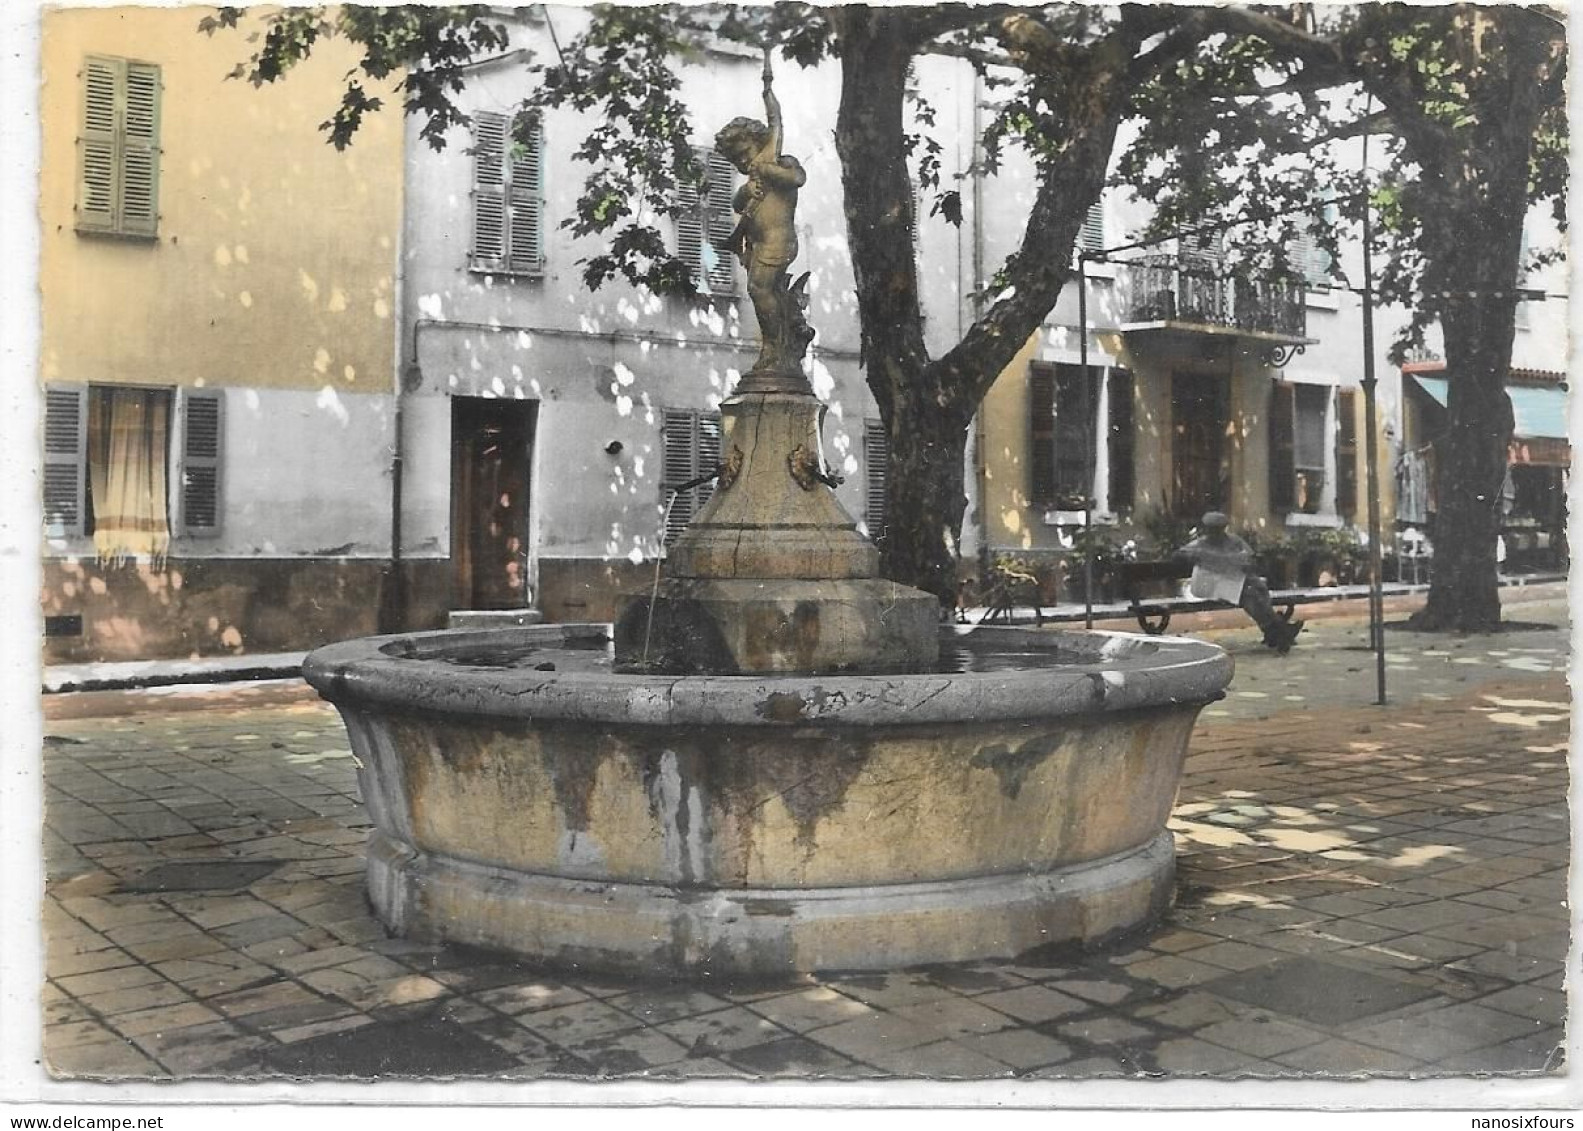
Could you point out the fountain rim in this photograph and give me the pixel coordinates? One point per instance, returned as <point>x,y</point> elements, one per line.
<point>1132,672</point>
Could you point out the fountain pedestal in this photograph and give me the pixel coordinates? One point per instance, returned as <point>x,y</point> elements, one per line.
<point>773,576</point>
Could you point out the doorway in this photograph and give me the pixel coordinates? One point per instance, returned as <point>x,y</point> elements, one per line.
<point>1201,415</point>
<point>491,454</point>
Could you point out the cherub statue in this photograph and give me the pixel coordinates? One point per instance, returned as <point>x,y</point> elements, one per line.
<point>765,238</point>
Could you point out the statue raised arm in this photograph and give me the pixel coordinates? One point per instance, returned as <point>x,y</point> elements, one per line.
<point>766,233</point>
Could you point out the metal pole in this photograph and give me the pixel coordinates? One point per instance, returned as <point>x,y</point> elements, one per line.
<point>1371,449</point>
<point>1088,441</point>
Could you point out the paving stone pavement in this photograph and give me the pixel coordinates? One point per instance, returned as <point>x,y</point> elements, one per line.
<point>1362,891</point>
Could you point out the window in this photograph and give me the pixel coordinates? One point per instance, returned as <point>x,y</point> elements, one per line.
<point>1308,447</point>
<point>1310,262</point>
<point>705,221</point>
<point>107,454</point>
<point>508,193</point>
<point>876,466</point>
<point>1299,430</point>
<point>691,443</point>
<point>1058,462</point>
<point>118,148</point>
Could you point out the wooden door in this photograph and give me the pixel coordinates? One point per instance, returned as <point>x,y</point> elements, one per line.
<point>491,449</point>
<point>1200,417</point>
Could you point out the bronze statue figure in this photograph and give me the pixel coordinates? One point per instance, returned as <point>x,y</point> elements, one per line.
<point>765,238</point>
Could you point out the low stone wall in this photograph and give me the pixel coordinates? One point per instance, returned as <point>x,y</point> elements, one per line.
<point>221,606</point>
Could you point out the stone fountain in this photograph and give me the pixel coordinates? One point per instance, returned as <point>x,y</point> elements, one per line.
<point>775,768</point>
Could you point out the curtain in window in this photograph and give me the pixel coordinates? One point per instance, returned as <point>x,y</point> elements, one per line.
<point>128,437</point>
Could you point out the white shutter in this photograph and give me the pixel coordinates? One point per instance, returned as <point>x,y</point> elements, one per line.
<point>140,152</point>
<point>876,466</point>
<point>489,190</point>
<point>98,165</point>
<point>525,211</point>
<point>65,458</point>
<point>202,432</point>
<point>720,276</point>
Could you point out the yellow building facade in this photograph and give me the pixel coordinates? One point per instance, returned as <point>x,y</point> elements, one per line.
<point>219,322</point>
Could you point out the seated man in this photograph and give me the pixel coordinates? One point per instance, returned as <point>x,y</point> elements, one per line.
<point>1223,571</point>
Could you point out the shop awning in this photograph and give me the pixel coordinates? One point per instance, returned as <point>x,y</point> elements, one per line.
<point>1540,413</point>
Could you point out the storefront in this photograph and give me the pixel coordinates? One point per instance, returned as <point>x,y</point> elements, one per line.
<point>1538,463</point>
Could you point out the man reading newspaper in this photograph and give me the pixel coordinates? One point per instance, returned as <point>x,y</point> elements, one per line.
<point>1223,571</point>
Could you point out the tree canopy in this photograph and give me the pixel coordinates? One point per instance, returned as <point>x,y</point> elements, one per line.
<point>1240,110</point>
<point>1466,107</point>
<point>1067,76</point>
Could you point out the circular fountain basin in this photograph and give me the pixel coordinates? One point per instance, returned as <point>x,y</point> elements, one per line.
<point>527,797</point>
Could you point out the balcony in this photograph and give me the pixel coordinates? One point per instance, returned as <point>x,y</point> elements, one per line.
<point>1198,295</point>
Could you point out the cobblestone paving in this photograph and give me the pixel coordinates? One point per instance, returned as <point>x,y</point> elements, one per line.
<point>1361,891</point>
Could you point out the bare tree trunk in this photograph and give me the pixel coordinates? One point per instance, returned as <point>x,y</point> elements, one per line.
<point>1464,585</point>
<point>878,194</point>
<point>1478,196</point>
<point>926,403</point>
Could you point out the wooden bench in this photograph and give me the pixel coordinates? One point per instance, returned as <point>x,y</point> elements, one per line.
<point>1154,611</point>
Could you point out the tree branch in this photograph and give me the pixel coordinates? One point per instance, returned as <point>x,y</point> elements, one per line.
<point>976,55</point>
<point>1178,43</point>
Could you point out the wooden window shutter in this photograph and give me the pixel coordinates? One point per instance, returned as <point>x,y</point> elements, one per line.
<point>719,222</point>
<point>525,227</point>
<point>1041,435</point>
<point>876,467</point>
<point>1283,469</point>
<point>1346,453</point>
<point>65,458</point>
<point>489,191</point>
<point>691,446</point>
<point>202,437</point>
<point>140,152</point>
<point>98,161</point>
<point>690,229</point>
<point>1119,436</point>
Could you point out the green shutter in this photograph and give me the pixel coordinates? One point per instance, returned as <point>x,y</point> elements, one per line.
<point>140,152</point>
<point>1123,477</point>
<point>1283,469</point>
<point>489,191</point>
<point>65,458</point>
<point>118,148</point>
<point>202,439</point>
<point>1041,436</point>
<point>98,160</point>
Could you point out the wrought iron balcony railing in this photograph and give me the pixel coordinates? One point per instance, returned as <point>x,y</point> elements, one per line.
<point>1200,289</point>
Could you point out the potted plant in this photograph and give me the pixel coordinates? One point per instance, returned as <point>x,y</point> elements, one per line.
<point>1102,544</point>
<point>1274,555</point>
